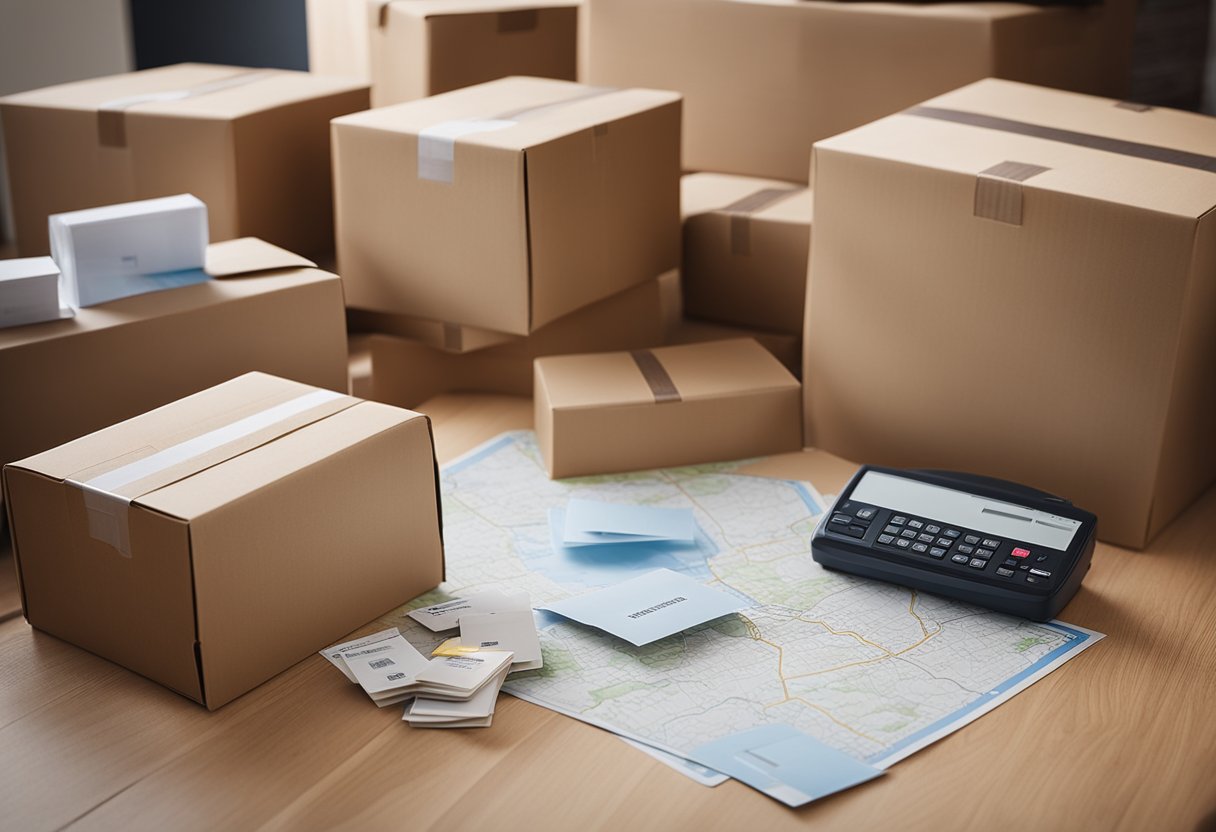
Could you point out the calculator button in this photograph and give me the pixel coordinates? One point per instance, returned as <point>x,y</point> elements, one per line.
<point>1031,579</point>
<point>1004,573</point>
<point>984,553</point>
<point>1040,558</point>
<point>1010,563</point>
<point>965,549</point>
<point>903,542</point>
<point>885,538</point>
<point>976,563</point>
<point>972,539</point>
<point>919,547</point>
<point>991,544</point>
<point>937,552</point>
<point>1024,567</point>
<point>1042,573</point>
<point>931,529</point>
<point>951,532</point>
<point>898,520</point>
<point>1020,553</point>
<point>960,559</point>
<point>915,524</point>
<point>945,541</point>
<point>891,529</point>
<point>925,538</point>
<point>865,514</point>
<point>855,531</point>
<point>909,533</point>
<point>842,519</point>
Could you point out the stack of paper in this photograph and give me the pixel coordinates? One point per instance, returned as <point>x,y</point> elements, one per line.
<point>487,621</point>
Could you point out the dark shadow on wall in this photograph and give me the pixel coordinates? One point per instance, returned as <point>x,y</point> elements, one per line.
<point>240,32</point>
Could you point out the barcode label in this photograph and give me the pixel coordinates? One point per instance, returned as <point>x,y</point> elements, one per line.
<point>379,663</point>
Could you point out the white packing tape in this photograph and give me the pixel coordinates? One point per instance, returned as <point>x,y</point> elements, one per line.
<point>107,511</point>
<point>437,144</point>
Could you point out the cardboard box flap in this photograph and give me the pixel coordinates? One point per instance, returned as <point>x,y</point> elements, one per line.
<point>1156,159</point>
<point>733,367</point>
<point>246,255</point>
<point>772,199</point>
<point>437,8</point>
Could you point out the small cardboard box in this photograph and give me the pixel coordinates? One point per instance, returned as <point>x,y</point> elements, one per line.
<point>213,542</point>
<point>785,348</point>
<point>507,205</point>
<point>627,411</point>
<point>406,372</point>
<point>1021,282</point>
<point>746,243</point>
<point>253,144</point>
<point>424,47</point>
<point>29,291</point>
<point>267,309</point>
<point>764,79</point>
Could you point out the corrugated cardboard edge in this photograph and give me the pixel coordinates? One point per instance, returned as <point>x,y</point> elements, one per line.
<point>12,530</point>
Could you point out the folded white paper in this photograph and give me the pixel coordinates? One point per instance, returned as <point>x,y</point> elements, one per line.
<point>116,251</point>
<point>447,615</point>
<point>480,704</point>
<point>334,654</point>
<point>514,630</point>
<point>465,673</point>
<point>29,291</point>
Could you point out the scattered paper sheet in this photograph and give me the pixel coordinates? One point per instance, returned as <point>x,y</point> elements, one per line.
<point>648,607</point>
<point>334,654</point>
<point>446,616</point>
<point>593,523</point>
<point>385,665</point>
<point>514,630</point>
<point>784,763</point>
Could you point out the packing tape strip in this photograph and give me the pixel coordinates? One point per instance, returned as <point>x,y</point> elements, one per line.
<point>437,143</point>
<point>108,511</point>
<point>1152,152</point>
<point>740,216</point>
<point>111,115</point>
<point>998,191</point>
<point>661,386</point>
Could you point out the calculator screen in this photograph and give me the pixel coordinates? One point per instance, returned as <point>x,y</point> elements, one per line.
<point>960,508</point>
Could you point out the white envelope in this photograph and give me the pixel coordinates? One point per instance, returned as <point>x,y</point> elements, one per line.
<point>514,630</point>
<point>334,654</point>
<point>447,615</point>
<point>385,665</point>
<point>463,673</point>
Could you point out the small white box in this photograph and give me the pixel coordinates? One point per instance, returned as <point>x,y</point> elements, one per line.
<point>29,291</point>
<point>120,250</point>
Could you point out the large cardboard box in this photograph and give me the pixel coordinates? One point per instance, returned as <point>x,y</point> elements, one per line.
<point>763,79</point>
<point>626,411</point>
<point>507,205</point>
<point>406,372</point>
<point>213,542</point>
<point>266,310</point>
<point>745,250</point>
<point>1021,282</point>
<point>413,49</point>
<point>251,143</point>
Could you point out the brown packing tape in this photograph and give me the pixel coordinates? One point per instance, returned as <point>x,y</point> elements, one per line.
<point>740,216</point>
<point>1152,152</point>
<point>661,386</point>
<point>998,191</point>
<point>111,115</point>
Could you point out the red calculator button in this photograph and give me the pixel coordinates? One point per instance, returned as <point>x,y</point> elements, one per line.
<point>1021,553</point>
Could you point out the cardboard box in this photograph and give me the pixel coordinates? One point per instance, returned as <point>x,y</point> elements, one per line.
<point>419,48</point>
<point>745,250</point>
<point>29,291</point>
<point>253,144</point>
<point>407,372</point>
<point>1021,283</point>
<point>359,366</point>
<point>507,205</point>
<point>267,310</point>
<point>213,542</point>
<point>441,335</point>
<point>785,348</point>
<point>627,411</point>
<point>763,79</point>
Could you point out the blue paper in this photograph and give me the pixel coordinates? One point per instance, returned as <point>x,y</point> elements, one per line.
<point>594,523</point>
<point>784,764</point>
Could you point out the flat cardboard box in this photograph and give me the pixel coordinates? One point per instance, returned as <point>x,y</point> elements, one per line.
<point>213,542</point>
<point>1021,283</point>
<point>410,50</point>
<point>267,309</point>
<point>253,144</point>
<point>406,372</point>
<point>507,205</point>
<point>763,79</point>
<point>441,335</point>
<point>627,411</point>
<point>746,243</point>
<point>785,348</point>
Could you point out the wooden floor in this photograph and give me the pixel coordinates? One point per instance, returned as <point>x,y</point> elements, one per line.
<point>1123,737</point>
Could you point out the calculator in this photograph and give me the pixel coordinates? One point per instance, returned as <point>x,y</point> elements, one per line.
<point>996,544</point>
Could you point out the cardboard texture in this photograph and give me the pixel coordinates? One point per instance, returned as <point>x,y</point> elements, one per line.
<point>746,243</point>
<point>265,519</point>
<point>506,205</point>
<point>359,365</point>
<point>413,49</point>
<point>407,372</point>
<point>273,310</point>
<point>438,334</point>
<point>1021,282</point>
<point>785,348</point>
<point>253,144</point>
<point>628,411</point>
<point>764,79</point>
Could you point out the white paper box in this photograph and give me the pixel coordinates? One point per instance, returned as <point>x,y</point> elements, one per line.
<point>29,291</point>
<point>120,250</point>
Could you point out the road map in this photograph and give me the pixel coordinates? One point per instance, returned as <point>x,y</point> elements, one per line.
<point>874,670</point>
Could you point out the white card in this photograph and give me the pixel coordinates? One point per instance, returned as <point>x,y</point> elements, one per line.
<point>334,654</point>
<point>514,630</point>
<point>447,615</point>
<point>439,722</point>
<point>392,663</point>
<point>481,704</point>
<point>463,673</point>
